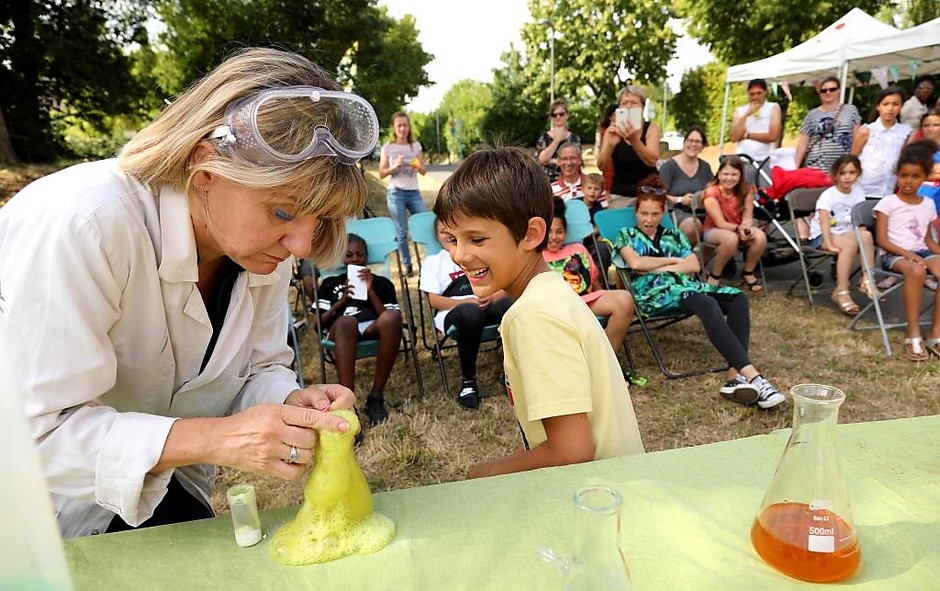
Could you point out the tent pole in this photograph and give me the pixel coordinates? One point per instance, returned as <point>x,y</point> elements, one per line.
<point>724,116</point>
<point>843,78</point>
<point>852,94</point>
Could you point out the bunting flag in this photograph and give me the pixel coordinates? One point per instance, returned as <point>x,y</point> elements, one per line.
<point>894,73</point>
<point>773,88</point>
<point>786,90</point>
<point>914,64</point>
<point>881,76</point>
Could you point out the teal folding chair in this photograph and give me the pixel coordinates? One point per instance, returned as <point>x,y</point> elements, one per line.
<point>579,227</point>
<point>609,222</point>
<point>421,227</point>
<point>380,236</point>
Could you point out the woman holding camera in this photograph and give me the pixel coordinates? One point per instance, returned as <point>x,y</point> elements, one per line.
<point>631,150</point>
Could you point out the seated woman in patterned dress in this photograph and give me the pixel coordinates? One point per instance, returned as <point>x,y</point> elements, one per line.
<point>663,273</point>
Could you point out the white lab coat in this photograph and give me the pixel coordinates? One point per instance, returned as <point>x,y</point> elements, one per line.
<point>107,329</point>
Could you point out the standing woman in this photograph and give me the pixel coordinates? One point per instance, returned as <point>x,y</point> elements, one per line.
<point>548,143</point>
<point>403,159</point>
<point>633,152</point>
<point>828,130</point>
<point>144,297</point>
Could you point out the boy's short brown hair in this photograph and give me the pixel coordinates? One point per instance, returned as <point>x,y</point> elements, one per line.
<point>593,179</point>
<point>502,184</point>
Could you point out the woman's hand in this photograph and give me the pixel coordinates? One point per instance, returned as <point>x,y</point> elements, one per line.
<point>631,134</point>
<point>260,438</point>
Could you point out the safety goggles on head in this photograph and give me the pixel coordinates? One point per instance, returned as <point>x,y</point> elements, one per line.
<point>298,123</point>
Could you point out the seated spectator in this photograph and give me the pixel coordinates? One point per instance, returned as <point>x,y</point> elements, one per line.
<point>663,272</point>
<point>686,176</point>
<point>575,264</point>
<point>595,200</point>
<point>914,108</point>
<point>348,320</point>
<point>568,184</point>
<point>548,143</point>
<point>729,223</point>
<point>756,126</point>
<point>449,293</point>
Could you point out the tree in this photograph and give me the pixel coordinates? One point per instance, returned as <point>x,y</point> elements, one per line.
<point>466,104</point>
<point>360,44</point>
<point>743,32</point>
<point>599,45</point>
<point>65,59</point>
<point>512,119</point>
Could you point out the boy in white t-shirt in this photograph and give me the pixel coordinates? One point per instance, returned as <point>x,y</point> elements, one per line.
<point>562,377</point>
<point>831,229</point>
<point>449,293</point>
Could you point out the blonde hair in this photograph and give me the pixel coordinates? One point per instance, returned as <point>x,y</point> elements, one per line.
<point>593,178</point>
<point>162,153</point>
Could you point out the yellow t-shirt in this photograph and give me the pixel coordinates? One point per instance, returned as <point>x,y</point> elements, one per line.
<point>558,361</point>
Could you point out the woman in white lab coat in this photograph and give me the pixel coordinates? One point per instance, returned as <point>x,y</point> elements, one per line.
<point>143,298</point>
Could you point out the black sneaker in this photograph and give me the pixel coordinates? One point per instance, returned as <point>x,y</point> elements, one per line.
<point>375,410</point>
<point>357,440</point>
<point>469,396</point>
<point>739,390</point>
<point>769,396</point>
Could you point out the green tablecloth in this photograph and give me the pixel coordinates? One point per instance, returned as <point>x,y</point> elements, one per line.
<point>686,522</point>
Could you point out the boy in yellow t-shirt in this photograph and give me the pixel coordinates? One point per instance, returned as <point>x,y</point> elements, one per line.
<point>562,377</point>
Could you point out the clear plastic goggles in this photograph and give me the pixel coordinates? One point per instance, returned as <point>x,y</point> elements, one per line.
<point>285,126</point>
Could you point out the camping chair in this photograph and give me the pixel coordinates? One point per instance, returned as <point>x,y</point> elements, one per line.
<point>609,222</point>
<point>863,215</point>
<point>802,203</point>
<point>421,227</point>
<point>578,221</point>
<point>380,236</point>
<point>294,328</point>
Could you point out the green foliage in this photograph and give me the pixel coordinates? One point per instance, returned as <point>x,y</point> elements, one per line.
<point>431,129</point>
<point>377,56</point>
<point>512,119</point>
<point>66,60</point>
<point>599,46</point>
<point>700,97</point>
<point>466,104</point>
<point>739,32</point>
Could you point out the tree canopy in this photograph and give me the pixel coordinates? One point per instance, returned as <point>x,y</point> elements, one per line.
<point>739,32</point>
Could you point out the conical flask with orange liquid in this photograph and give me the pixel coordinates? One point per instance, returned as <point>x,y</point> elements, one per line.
<point>804,527</point>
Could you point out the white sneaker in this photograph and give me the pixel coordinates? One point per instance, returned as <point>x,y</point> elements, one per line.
<point>739,390</point>
<point>768,396</point>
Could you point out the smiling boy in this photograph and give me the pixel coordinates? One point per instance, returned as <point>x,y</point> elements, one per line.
<point>562,377</point>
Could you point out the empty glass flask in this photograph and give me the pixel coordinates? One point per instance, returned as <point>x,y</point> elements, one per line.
<point>804,526</point>
<point>598,561</point>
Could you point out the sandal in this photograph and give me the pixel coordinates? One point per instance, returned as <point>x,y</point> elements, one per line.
<point>754,286</point>
<point>933,347</point>
<point>843,299</point>
<point>713,280</point>
<point>865,289</point>
<point>914,350</point>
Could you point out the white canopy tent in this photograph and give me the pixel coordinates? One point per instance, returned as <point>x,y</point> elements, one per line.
<point>857,41</point>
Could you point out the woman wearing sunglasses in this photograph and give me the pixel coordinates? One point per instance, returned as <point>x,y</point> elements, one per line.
<point>828,130</point>
<point>548,143</point>
<point>144,297</point>
<point>663,277</point>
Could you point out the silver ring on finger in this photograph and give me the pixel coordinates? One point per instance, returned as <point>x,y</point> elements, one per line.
<point>292,457</point>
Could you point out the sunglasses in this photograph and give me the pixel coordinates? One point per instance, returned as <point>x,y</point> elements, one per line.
<point>559,113</point>
<point>828,90</point>
<point>655,191</point>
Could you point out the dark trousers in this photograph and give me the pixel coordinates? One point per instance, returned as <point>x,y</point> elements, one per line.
<point>470,320</point>
<point>176,507</point>
<point>727,322</point>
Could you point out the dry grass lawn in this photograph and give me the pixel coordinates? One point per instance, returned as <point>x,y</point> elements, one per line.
<point>432,439</point>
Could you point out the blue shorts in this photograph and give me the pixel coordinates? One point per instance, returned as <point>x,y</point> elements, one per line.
<point>888,260</point>
<point>815,242</point>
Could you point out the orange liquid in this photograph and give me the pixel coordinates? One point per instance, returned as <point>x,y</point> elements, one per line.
<point>781,535</point>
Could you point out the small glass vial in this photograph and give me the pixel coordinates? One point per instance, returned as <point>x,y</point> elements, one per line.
<point>244,508</point>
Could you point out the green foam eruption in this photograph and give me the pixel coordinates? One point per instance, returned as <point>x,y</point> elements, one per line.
<point>336,518</point>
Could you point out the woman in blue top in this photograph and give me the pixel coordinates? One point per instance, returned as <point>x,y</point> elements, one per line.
<point>663,271</point>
